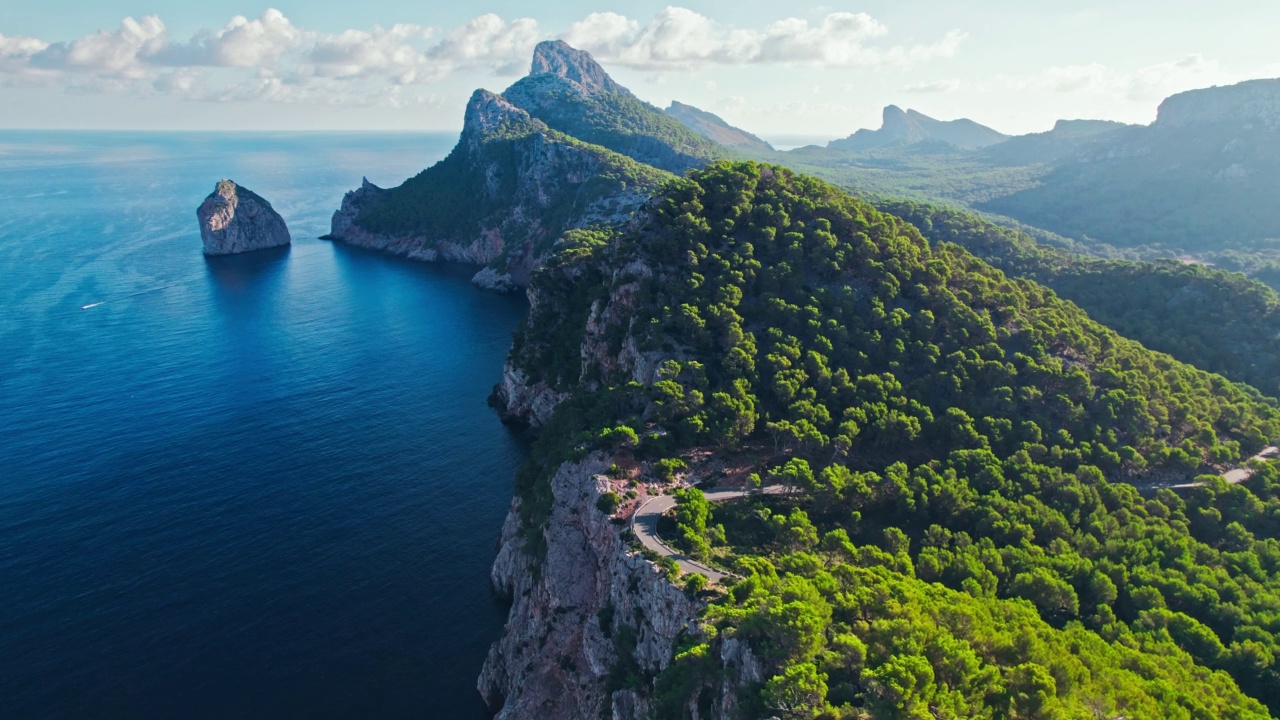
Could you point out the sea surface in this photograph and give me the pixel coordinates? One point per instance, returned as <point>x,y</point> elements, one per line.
<point>261,486</point>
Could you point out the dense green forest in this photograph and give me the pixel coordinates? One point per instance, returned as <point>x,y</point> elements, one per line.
<point>1216,320</point>
<point>967,540</point>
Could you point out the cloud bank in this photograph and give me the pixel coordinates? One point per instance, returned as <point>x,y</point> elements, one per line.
<point>270,58</point>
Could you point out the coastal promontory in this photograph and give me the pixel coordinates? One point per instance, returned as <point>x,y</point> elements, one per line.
<point>234,219</point>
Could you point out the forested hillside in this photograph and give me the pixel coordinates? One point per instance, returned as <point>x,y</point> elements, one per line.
<point>1216,320</point>
<point>965,541</point>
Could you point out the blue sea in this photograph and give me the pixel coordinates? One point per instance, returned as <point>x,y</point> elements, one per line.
<point>261,486</point>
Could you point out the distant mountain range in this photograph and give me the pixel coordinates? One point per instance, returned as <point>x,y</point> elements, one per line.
<point>900,128</point>
<point>1200,182</point>
<point>1204,176</point>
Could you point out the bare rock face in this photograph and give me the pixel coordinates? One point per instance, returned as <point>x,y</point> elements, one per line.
<point>556,57</point>
<point>523,403</point>
<point>558,647</point>
<point>233,220</point>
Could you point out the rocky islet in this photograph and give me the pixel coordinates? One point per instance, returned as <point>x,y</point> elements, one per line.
<point>234,219</point>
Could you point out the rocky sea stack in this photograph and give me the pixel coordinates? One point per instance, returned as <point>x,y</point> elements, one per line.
<point>233,220</point>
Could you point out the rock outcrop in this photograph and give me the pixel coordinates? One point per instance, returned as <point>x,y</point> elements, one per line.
<point>714,128</point>
<point>900,128</point>
<point>557,57</point>
<point>235,220</point>
<point>523,403</point>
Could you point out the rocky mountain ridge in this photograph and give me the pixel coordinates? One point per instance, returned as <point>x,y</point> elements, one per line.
<point>524,171</point>
<point>900,128</point>
<point>508,189</point>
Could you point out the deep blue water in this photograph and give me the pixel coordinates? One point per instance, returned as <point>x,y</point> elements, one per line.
<point>261,486</point>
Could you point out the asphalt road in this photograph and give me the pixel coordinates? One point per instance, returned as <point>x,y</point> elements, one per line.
<point>644,523</point>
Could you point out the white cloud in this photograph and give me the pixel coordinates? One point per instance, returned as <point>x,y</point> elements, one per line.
<point>679,38</point>
<point>933,86</point>
<point>119,53</point>
<point>1152,82</point>
<point>270,58</point>
<point>250,43</point>
<point>360,53</point>
<point>488,41</point>
<point>19,48</point>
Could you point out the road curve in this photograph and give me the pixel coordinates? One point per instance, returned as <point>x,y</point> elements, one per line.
<point>644,523</point>
<point>1238,475</point>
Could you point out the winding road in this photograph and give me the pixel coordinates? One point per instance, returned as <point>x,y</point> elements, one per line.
<point>644,523</point>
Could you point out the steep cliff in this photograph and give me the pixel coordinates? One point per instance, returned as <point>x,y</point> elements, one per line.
<point>589,607</point>
<point>233,220</point>
<point>505,192</point>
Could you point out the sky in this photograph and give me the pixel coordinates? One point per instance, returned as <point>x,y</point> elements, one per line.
<point>781,70</point>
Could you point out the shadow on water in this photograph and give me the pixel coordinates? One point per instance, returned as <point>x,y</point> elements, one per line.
<point>239,273</point>
<point>358,257</point>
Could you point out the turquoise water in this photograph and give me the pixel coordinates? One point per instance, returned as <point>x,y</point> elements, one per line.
<point>260,486</point>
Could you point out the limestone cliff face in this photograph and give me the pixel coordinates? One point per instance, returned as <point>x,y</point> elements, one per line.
<point>557,57</point>
<point>558,648</point>
<point>234,220</point>
<point>570,611</point>
<point>522,186</point>
<point>522,402</point>
<point>531,401</point>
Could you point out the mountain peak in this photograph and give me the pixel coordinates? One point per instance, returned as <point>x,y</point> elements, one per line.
<point>557,57</point>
